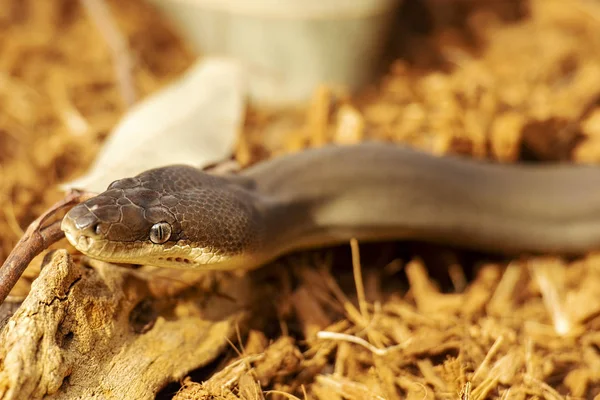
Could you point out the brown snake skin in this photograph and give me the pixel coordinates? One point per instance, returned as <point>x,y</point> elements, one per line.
<point>329,195</point>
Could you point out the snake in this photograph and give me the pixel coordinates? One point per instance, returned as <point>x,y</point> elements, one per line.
<point>179,216</point>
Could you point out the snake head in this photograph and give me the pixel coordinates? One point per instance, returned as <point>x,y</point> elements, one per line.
<point>174,216</point>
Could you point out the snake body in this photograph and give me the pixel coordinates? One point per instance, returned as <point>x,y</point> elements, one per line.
<point>181,217</point>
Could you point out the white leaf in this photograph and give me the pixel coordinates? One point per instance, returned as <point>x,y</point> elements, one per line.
<point>193,121</point>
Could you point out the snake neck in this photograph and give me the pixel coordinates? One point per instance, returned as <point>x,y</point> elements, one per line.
<point>376,192</point>
<point>319,200</point>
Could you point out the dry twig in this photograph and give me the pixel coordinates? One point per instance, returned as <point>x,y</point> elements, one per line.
<point>35,240</point>
<point>100,14</point>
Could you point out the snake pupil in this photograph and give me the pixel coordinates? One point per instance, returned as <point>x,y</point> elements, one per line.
<point>160,232</point>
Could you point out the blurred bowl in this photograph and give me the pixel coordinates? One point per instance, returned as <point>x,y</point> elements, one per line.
<point>290,46</point>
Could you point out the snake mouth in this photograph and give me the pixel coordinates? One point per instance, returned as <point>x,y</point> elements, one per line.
<point>77,238</point>
<point>86,241</point>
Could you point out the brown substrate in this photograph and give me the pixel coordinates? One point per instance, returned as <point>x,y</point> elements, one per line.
<point>518,81</point>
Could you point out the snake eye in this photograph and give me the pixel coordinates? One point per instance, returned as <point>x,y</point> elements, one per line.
<point>160,232</point>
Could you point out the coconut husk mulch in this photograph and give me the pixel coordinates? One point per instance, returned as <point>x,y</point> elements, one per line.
<point>503,81</point>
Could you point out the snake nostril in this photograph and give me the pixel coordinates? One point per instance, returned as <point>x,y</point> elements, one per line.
<point>96,228</point>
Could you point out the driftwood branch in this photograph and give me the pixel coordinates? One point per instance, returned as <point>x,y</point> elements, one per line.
<point>110,332</point>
